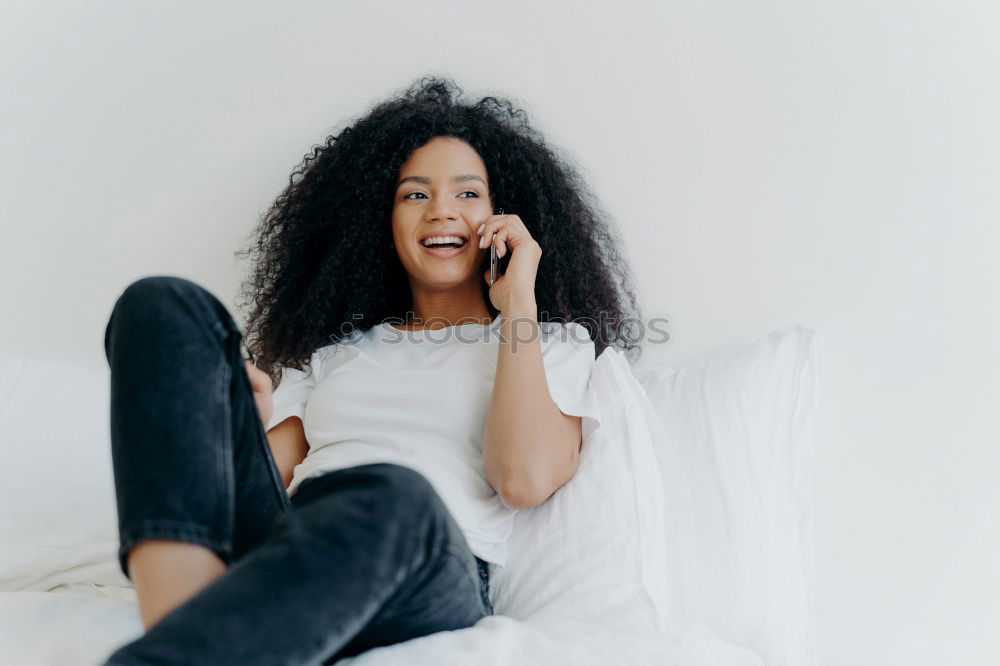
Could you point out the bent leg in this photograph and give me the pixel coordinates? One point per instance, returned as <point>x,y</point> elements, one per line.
<point>191,460</point>
<point>368,556</point>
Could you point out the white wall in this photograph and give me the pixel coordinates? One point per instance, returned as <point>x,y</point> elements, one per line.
<point>834,164</point>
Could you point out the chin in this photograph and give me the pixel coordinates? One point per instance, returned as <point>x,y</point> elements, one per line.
<point>444,279</point>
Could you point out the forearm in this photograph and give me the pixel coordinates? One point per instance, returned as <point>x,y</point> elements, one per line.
<point>529,447</point>
<point>288,446</point>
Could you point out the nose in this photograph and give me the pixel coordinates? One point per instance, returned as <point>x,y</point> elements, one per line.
<point>441,209</point>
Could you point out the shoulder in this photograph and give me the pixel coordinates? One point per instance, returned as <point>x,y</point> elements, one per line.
<point>565,338</point>
<point>569,331</point>
<point>330,357</point>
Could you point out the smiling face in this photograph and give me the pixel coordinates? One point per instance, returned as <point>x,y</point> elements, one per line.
<point>443,191</point>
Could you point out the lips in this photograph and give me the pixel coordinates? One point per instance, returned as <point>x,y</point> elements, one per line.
<point>443,251</point>
<point>435,234</point>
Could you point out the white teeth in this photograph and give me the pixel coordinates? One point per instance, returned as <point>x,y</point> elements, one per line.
<point>440,240</point>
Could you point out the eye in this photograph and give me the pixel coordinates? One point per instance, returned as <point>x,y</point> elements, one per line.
<point>472,192</point>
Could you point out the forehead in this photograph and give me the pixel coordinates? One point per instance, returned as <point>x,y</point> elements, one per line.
<point>444,157</point>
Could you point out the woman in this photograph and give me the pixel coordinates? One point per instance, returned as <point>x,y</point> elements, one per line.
<point>419,406</point>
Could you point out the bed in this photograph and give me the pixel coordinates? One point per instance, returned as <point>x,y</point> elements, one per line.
<point>685,537</point>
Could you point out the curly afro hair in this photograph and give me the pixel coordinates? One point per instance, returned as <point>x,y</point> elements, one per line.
<point>321,268</point>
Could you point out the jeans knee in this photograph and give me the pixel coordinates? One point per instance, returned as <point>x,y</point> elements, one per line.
<point>148,289</point>
<point>135,301</point>
<point>144,293</point>
<point>405,487</point>
<point>155,298</point>
<point>383,492</point>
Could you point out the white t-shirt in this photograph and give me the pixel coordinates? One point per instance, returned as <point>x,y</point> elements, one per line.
<point>419,399</point>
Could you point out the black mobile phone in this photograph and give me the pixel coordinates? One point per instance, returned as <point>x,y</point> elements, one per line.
<point>494,262</point>
<point>493,258</point>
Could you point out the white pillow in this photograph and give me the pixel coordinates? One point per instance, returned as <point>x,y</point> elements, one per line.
<point>736,461</point>
<point>59,522</point>
<point>593,552</point>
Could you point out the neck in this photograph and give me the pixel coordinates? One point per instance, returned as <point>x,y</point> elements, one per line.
<point>433,308</point>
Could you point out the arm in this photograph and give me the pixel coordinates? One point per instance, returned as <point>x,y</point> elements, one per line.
<point>530,448</point>
<point>288,446</point>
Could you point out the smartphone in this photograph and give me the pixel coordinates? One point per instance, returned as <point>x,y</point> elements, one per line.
<point>493,258</point>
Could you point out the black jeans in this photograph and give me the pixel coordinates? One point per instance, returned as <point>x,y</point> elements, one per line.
<point>357,558</point>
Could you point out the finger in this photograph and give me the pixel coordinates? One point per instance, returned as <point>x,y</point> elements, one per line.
<point>501,239</point>
<point>486,223</point>
<point>487,230</point>
<point>484,235</point>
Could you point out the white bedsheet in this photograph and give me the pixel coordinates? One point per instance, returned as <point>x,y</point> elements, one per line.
<point>736,453</point>
<point>80,625</point>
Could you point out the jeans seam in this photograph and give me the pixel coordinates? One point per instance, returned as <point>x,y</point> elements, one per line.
<point>259,434</point>
<point>225,449</point>
<point>270,464</point>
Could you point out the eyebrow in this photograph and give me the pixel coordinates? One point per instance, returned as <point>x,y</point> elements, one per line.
<point>427,181</point>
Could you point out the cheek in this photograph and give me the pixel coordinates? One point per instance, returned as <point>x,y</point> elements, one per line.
<point>402,225</point>
<point>396,235</point>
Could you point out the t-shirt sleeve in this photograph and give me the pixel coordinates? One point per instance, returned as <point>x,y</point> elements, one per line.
<point>568,357</point>
<point>293,391</point>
